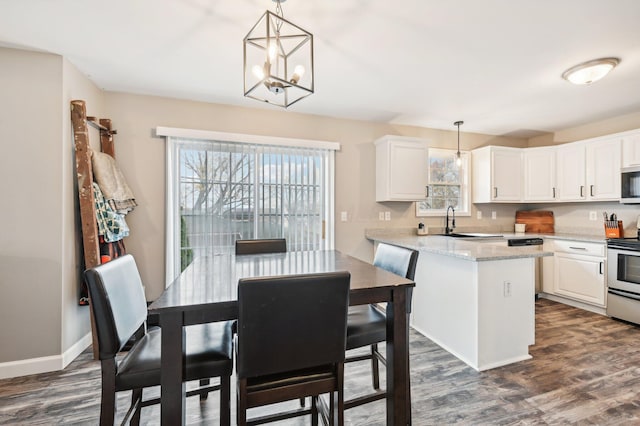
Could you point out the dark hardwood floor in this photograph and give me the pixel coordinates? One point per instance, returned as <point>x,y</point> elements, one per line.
<point>585,369</point>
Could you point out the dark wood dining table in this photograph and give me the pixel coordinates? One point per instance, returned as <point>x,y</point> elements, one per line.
<point>206,291</point>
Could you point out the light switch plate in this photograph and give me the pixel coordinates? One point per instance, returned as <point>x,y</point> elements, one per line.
<point>593,215</point>
<point>381,216</point>
<point>479,214</point>
<point>343,216</point>
<point>494,215</point>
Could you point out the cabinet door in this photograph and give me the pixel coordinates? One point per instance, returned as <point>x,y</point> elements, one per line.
<point>603,169</point>
<point>571,172</point>
<point>506,172</point>
<point>540,174</point>
<point>631,150</point>
<point>401,169</point>
<point>580,277</point>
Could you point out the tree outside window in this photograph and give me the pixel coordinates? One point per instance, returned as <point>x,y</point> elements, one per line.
<point>448,184</point>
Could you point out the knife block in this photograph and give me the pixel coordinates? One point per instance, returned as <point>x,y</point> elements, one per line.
<point>613,229</point>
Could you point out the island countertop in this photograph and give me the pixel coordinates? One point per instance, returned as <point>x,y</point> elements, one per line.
<point>477,250</point>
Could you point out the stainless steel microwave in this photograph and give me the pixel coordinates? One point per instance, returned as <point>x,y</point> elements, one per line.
<point>630,185</point>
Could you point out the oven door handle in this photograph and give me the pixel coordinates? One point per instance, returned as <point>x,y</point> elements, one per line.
<point>625,294</point>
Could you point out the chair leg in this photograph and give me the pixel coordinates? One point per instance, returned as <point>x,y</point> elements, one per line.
<point>241,405</point>
<point>314,410</point>
<point>340,394</point>
<point>136,398</point>
<point>225,400</point>
<point>108,398</point>
<point>204,394</point>
<point>375,370</point>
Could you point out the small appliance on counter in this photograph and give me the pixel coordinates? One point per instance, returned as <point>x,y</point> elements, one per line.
<point>422,230</point>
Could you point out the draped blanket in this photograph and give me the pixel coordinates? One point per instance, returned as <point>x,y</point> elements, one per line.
<point>114,187</point>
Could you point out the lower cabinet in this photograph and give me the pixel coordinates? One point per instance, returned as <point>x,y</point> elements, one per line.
<point>579,271</point>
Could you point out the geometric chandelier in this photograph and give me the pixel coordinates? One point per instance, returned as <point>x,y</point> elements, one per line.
<point>278,60</point>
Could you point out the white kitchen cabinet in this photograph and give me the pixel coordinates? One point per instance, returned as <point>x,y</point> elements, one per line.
<point>539,174</point>
<point>401,168</point>
<point>571,169</point>
<point>589,170</point>
<point>497,174</point>
<point>631,149</point>
<point>579,271</point>
<point>603,170</point>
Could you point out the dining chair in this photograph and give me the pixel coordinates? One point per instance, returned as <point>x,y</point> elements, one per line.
<point>119,312</point>
<point>291,344</point>
<point>367,324</point>
<point>273,245</point>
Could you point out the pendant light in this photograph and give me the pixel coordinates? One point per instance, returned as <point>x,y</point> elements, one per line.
<point>278,60</point>
<point>458,157</point>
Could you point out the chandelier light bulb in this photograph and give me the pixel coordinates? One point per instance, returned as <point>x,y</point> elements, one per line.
<point>258,71</point>
<point>298,72</point>
<point>458,159</point>
<point>273,51</point>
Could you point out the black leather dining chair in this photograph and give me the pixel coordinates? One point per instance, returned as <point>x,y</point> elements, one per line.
<point>291,344</point>
<point>120,311</point>
<point>273,245</point>
<point>367,324</point>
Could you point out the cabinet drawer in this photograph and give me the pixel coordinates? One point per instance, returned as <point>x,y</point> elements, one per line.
<point>578,247</point>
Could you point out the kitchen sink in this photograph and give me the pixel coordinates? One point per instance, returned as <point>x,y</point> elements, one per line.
<point>471,235</point>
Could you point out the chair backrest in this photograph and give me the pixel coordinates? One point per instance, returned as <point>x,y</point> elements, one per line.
<point>118,303</point>
<point>275,245</point>
<point>399,260</point>
<point>291,322</point>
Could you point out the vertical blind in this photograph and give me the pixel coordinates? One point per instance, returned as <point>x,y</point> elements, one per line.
<point>223,191</point>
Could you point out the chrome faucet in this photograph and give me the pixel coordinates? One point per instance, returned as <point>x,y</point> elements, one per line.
<point>448,230</point>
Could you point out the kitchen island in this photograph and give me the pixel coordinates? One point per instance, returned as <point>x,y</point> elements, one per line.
<point>474,298</point>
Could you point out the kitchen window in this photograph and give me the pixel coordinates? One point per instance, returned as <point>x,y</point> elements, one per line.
<point>221,190</point>
<point>447,184</point>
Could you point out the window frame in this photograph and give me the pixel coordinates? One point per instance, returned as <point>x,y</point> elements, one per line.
<point>465,186</point>
<point>172,203</point>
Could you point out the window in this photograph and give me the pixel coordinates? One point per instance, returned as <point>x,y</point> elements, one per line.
<point>220,191</point>
<point>447,185</point>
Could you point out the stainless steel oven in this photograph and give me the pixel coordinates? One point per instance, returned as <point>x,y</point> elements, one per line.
<point>623,276</point>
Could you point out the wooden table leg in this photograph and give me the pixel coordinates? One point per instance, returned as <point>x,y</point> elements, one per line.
<point>173,388</point>
<point>397,359</point>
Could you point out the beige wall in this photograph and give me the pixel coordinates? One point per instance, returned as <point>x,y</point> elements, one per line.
<point>141,155</point>
<point>39,268</point>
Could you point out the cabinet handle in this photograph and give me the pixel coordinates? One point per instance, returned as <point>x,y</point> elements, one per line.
<point>577,248</point>
<point>601,265</point>
<point>495,192</point>
<point>581,191</point>
<point>554,193</point>
<point>426,188</point>
<point>591,190</point>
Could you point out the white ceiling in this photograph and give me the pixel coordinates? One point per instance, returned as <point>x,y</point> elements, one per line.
<point>495,64</point>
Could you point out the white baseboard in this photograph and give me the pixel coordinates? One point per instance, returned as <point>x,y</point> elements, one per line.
<point>574,303</point>
<point>26,367</point>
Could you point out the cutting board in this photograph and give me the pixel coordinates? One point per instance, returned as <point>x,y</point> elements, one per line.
<point>538,221</point>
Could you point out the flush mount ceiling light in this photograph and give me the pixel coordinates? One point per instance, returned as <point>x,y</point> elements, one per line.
<point>590,71</point>
<point>278,60</point>
<point>458,157</point>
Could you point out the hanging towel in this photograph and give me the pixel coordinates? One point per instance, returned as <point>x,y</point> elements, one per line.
<point>111,225</point>
<point>112,183</point>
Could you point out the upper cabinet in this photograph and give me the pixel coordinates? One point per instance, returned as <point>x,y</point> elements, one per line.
<point>571,169</point>
<point>401,168</point>
<point>497,174</point>
<point>631,149</point>
<point>540,174</point>
<point>603,169</point>
<point>589,170</point>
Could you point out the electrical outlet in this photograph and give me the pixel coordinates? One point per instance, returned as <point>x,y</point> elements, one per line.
<point>494,215</point>
<point>343,216</point>
<point>507,289</point>
<point>387,215</point>
<point>593,215</point>
<point>381,216</point>
<point>479,214</point>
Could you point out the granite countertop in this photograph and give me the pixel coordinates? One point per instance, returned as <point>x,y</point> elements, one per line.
<point>481,249</point>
